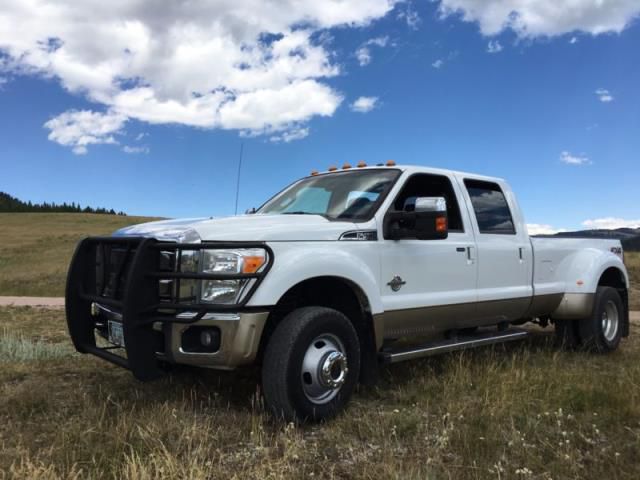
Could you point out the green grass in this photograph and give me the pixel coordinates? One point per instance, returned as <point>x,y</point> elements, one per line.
<point>489,413</point>
<point>36,248</point>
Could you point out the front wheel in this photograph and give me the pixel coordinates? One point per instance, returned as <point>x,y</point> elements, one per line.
<point>311,365</point>
<point>602,332</point>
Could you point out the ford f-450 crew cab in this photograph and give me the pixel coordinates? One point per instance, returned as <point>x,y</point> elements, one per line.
<point>320,283</point>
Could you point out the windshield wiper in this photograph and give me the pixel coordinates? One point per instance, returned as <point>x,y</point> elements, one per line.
<point>323,215</point>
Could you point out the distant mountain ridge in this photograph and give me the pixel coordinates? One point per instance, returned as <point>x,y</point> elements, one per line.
<point>630,237</point>
<point>11,204</point>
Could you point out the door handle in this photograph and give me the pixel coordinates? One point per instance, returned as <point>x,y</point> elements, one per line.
<point>470,258</point>
<point>461,249</point>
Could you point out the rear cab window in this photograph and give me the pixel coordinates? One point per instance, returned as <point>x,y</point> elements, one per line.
<point>490,207</point>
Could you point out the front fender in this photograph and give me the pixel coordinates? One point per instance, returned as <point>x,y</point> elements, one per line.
<point>296,262</point>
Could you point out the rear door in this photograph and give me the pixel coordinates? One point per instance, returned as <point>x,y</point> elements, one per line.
<point>504,254</point>
<point>436,279</point>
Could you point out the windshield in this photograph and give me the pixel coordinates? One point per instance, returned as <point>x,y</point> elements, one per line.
<point>352,195</point>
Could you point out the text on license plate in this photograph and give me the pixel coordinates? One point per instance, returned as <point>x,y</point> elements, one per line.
<point>116,333</point>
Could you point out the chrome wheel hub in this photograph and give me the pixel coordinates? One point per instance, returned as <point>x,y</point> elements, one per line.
<point>324,369</point>
<point>610,321</point>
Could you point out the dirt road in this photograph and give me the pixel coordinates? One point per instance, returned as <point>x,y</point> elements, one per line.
<point>58,302</point>
<point>49,302</point>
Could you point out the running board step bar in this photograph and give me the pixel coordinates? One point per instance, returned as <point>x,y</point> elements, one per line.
<point>450,345</point>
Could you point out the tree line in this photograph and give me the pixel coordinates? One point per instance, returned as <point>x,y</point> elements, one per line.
<point>9,203</point>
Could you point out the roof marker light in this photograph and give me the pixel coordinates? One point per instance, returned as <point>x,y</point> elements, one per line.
<point>362,164</point>
<point>391,163</point>
<point>346,166</point>
<point>314,173</point>
<point>333,168</point>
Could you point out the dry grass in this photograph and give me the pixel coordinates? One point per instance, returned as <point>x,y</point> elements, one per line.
<point>36,248</point>
<point>632,261</point>
<point>520,411</point>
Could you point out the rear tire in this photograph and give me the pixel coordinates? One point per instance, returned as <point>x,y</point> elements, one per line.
<point>311,365</point>
<point>602,332</point>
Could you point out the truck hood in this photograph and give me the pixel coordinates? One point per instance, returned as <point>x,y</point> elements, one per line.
<point>243,228</point>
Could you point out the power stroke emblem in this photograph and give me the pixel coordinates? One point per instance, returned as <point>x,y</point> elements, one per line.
<point>396,283</point>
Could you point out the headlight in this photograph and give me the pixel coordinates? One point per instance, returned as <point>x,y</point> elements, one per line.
<point>230,262</point>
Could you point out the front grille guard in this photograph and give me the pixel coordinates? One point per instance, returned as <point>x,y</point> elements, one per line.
<point>134,291</point>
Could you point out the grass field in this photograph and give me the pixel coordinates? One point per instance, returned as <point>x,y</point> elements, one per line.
<point>35,248</point>
<point>632,260</point>
<point>519,411</point>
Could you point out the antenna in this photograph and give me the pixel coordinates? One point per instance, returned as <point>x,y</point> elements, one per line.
<point>238,181</point>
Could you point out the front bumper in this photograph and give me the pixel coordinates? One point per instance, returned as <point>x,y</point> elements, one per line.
<point>240,335</point>
<point>124,280</point>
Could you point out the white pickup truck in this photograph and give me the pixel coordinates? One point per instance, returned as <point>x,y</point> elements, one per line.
<point>318,285</point>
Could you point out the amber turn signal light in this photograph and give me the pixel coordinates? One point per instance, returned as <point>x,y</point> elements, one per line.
<point>252,264</point>
<point>441,224</point>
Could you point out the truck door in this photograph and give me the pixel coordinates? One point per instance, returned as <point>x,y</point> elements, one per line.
<point>429,285</point>
<point>504,251</point>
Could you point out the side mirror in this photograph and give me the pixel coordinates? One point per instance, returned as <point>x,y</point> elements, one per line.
<point>426,219</point>
<point>250,211</point>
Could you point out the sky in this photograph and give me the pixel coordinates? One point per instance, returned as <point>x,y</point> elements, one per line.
<point>144,107</point>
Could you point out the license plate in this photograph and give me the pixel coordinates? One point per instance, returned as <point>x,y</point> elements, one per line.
<point>116,333</point>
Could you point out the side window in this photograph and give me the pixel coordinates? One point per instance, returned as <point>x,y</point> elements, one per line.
<point>491,208</point>
<point>426,185</point>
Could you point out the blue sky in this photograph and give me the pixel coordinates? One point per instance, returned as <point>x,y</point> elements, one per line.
<point>551,104</point>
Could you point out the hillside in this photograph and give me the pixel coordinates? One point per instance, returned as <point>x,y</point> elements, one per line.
<point>630,237</point>
<point>35,248</point>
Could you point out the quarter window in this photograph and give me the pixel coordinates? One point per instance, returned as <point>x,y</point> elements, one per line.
<point>491,208</point>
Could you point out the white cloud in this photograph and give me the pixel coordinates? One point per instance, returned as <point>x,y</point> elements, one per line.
<point>494,46</point>
<point>541,18</point>
<point>573,40</point>
<point>140,136</point>
<point>438,63</point>
<point>610,223</point>
<point>363,53</point>
<point>364,104</point>
<point>296,133</point>
<point>604,95</point>
<point>410,16</point>
<point>79,129</point>
<point>540,229</point>
<point>229,64</point>
<point>570,159</point>
<point>134,150</point>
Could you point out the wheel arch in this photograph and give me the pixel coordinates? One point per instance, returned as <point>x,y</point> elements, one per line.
<point>341,294</point>
<point>616,278</point>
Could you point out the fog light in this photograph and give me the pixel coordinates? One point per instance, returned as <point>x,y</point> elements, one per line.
<point>200,339</point>
<point>206,338</point>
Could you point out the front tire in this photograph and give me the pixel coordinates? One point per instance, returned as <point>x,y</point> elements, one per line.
<point>311,365</point>
<point>602,332</point>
